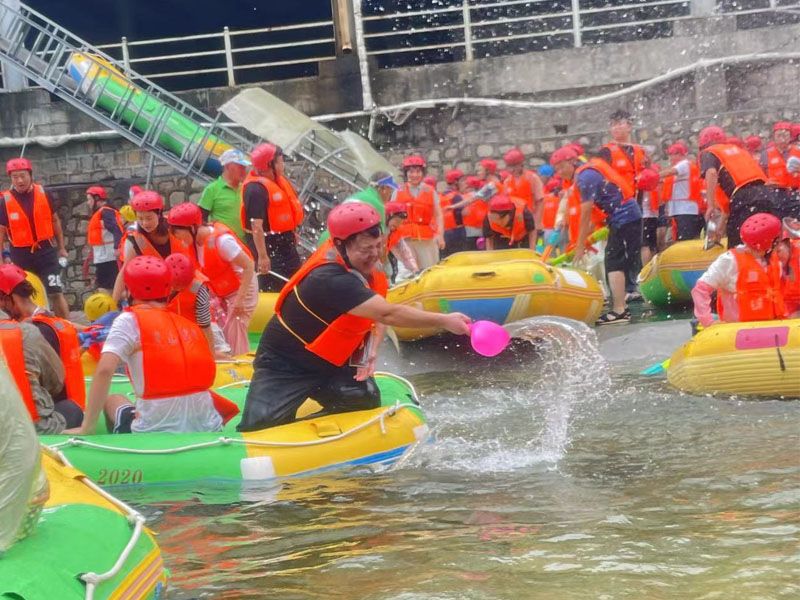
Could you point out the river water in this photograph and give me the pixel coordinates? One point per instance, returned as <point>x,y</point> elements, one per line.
<point>557,472</point>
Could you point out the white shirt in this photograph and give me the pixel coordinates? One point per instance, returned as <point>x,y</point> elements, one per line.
<point>106,252</point>
<point>679,203</point>
<point>192,412</point>
<point>228,249</point>
<point>722,275</point>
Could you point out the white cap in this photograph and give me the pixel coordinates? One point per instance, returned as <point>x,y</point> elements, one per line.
<point>234,156</point>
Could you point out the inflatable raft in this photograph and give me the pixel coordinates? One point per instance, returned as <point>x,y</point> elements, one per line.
<point>500,286</point>
<point>668,279</point>
<point>761,358</point>
<point>378,436</point>
<point>87,544</point>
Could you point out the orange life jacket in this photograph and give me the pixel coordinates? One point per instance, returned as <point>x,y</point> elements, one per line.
<point>622,164</point>
<point>11,344</point>
<point>695,186</point>
<point>740,165</point>
<point>20,232</point>
<point>342,337</point>
<point>222,278</point>
<point>393,239</point>
<point>421,222</point>
<point>777,174</point>
<point>145,248</point>
<point>758,289</point>
<point>517,229</point>
<point>599,217</point>
<point>284,211</point>
<point>474,214</point>
<point>69,347</point>
<point>791,281</point>
<point>550,205</point>
<point>184,303</point>
<point>176,358</point>
<point>94,234</point>
<point>449,216</point>
<point>520,187</point>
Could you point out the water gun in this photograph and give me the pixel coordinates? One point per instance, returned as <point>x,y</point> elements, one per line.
<point>597,236</point>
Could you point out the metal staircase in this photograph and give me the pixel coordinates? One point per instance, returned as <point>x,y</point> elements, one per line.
<point>144,114</point>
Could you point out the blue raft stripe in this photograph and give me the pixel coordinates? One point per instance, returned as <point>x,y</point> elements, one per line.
<point>484,309</point>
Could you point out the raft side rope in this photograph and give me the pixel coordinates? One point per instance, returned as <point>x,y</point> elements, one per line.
<point>134,517</point>
<point>225,441</point>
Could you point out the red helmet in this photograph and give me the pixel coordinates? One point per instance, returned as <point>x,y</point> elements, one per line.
<point>648,180</point>
<point>504,174</point>
<point>429,180</point>
<point>795,131</point>
<point>553,184</point>
<point>578,148</point>
<point>135,189</point>
<point>10,277</point>
<point>489,164</point>
<point>501,203</point>
<point>782,125</point>
<point>263,155</point>
<point>147,278</point>
<point>711,135</point>
<point>18,164</point>
<point>562,154</point>
<point>185,214</point>
<point>678,148</point>
<point>414,160</point>
<point>351,218</point>
<point>735,141</point>
<point>475,182</point>
<point>147,200</point>
<point>99,191</point>
<point>453,175</point>
<point>395,208</point>
<point>760,230</point>
<point>514,157</point>
<point>181,270</point>
<point>753,143</point>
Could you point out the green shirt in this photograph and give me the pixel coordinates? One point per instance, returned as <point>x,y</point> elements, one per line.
<point>368,195</point>
<point>223,204</point>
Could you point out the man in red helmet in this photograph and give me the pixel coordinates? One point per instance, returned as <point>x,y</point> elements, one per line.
<point>486,170</point>
<point>735,185</point>
<point>682,194</point>
<point>271,216</point>
<point>524,184</point>
<point>746,279</point>
<point>32,228</point>
<point>168,360</point>
<point>509,224</point>
<point>103,236</point>
<point>321,343</point>
<point>455,236</point>
<point>784,184</point>
<point>424,229</point>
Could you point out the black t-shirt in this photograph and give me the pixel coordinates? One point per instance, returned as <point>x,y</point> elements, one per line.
<point>500,241</point>
<point>328,291</point>
<point>724,179</point>
<point>26,202</point>
<point>256,200</point>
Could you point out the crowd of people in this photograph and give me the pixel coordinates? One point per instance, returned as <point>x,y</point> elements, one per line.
<point>188,277</point>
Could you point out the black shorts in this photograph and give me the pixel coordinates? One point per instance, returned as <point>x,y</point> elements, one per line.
<point>71,412</point>
<point>105,273</point>
<point>44,264</point>
<point>786,203</point>
<point>624,244</point>
<point>124,418</point>
<point>746,201</point>
<point>650,227</point>
<point>455,240</point>
<point>687,227</point>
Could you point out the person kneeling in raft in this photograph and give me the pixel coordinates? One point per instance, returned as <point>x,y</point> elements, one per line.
<point>747,278</point>
<point>323,340</point>
<point>168,359</point>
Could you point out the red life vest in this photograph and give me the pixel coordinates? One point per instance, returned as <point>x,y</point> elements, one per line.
<point>342,337</point>
<point>143,246</point>
<point>695,186</point>
<point>740,165</point>
<point>791,281</point>
<point>520,187</point>
<point>222,278</point>
<point>94,234</point>
<point>176,359</point>
<point>550,205</point>
<point>622,164</point>
<point>758,289</point>
<point>69,347</point>
<point>20,232</point>
<point>11,344</point>
<point>777,173</point>
<point>449,216</point>
<point>517,230</point>
<point>421,222</point>
<point>184,303</point>
<point>474,214</point>
<point>284,211</point>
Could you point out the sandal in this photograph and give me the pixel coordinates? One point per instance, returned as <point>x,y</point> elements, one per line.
<point>612,318</point>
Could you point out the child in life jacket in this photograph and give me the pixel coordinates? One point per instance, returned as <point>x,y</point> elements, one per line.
<point>169,363</point>
<point>746,278</point>
<point>397,251</point>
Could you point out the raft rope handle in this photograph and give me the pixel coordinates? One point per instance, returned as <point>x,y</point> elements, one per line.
<point>224,441</point>
<point>91,579</point>
<point>781,362</point>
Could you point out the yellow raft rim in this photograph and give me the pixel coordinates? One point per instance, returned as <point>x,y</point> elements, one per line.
<point>761,358</point>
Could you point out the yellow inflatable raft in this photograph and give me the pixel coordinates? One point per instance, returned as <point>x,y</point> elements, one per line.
<point>761,358</point>
<point>668,279</point>
<point>500,286</point>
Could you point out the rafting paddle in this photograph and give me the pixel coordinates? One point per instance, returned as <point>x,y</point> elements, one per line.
<point>488,338</point>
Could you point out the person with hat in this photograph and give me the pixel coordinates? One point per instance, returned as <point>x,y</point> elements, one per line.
<point>271,215</point>
<point>320,343</point>
<point>784,184</point>
<point>221,200</point>
<point>524,184</point>
<point>545,173</point>
<point>455,236</point>
<point>103,236</point>
<point>746,279</point>
<point>486,170</point>
<point>32,228</point>
<point>788,253</point>
<point>754,145</point>
<point>167,358</point>
<point>735,185</point>
<point>596,185</point>
<point>424,228</point>
<point>398,252</point>
<point>682,194</point>
<point>509,224</point>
